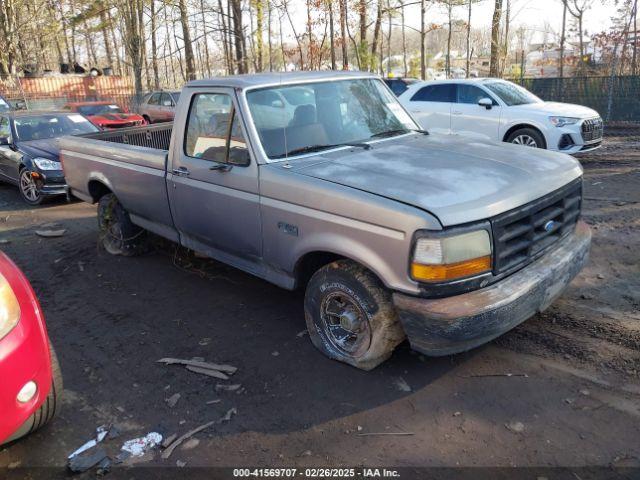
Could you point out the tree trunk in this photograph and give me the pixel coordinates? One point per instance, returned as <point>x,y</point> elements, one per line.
<point>241,58</point>
<point>332,43</point>
<point>404,41</point>
<point>495,39</point>
<point>186,36</point>
<point>154,47</point>
<point>259,34</point>
<point>505,52</point>
<point>269,31</point>
<point>447,65</point>
<point>634,55</point>
<point>310,42</point>
<point>562,39</point>
<point>363,45</point>
<point>376,35</point>
<point>205,38</point>
<point>468,63</point>
<point>343,34</point>
<point>423,34</point>
<point>105,37</point>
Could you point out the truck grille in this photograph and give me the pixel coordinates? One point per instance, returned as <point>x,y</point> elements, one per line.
<point>591,129</point>
<point>521,234</point>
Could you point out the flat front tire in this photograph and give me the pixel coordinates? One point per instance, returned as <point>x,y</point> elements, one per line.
<point>350,315</point>
<point>118,234</point>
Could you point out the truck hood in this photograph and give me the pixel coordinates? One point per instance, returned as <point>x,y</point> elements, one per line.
<point>559,109</point>
<point>458,180</point>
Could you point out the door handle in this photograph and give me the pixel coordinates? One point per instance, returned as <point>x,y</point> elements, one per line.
<point>457,112</point>
<point>221,167</point>
<point>181,172</point>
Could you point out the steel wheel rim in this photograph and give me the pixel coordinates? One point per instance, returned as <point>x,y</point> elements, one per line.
<point>525,140</point>
<point>346,325</point>
<point>28,187</point>
<point>113,237</point>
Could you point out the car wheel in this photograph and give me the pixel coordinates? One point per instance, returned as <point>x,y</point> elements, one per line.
<point>527,137</point>
<point>350,315</point>
<point>118,234</point>
<point>50,406</point>
<point>29,190</point>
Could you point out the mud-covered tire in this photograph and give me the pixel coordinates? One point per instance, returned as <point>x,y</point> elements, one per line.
<point>527,137</point>
<point>118,234</point>
<point>49,407</point>
<point>366,308</point>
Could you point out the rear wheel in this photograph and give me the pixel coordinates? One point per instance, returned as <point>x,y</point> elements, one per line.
<point>527,137</point>
<point>118,234</point>
<point>51,405</point>
<point>350,315</point>
<point>29,190</point>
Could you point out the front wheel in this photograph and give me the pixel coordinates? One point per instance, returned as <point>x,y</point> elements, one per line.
<point>29,190</point>
<point>118,234</point>
<point>350,315</point>
<point>527,137</point>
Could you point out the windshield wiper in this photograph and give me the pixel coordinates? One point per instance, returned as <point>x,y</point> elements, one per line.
<point>399,131</point>
<point>317,148</point>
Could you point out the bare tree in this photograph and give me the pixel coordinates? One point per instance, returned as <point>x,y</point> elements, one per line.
<point>563,39</point>
<point>577,9</point>
<point>495,39</point>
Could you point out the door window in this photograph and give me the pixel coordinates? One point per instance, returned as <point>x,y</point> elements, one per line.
<point>154,99</point>
<point>472,94</point>
<point>166,100</point>
<point>5,130</point>
<point>444,92</point>
<point>213,130</point>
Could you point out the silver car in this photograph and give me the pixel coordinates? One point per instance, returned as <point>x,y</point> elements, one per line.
<point>159,106</point>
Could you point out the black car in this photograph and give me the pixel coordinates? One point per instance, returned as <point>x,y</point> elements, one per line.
<point>399,85</point>
<point>29,154</point>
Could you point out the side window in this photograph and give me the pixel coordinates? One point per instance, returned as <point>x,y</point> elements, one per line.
<point>471,94</point>
<point>154,99</point>
<point>165,100</point>
<point>435,93</point>
<point>5,131</point>
<point>212,131</point>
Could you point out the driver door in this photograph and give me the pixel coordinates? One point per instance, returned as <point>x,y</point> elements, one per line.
<point>213,183</point>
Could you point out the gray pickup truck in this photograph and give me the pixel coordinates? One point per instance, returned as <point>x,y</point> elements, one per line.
<point>322,181</point>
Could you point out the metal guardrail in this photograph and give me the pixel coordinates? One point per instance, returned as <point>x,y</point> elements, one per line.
<point>150,136</point>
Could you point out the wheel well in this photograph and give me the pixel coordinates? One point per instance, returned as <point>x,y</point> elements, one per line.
<point>98,190</point>
<point>311,263</point>
<point>524,125</point>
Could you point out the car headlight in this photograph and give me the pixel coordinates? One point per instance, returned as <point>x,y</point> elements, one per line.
<point>9,308</point>
<point>562,121</point>
<point>46,164</point>
<point>441,259</point>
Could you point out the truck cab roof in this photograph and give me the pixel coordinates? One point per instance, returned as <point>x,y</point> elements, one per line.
<point>274,78</point>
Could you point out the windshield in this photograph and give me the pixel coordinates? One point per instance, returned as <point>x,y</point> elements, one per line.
<point>99,109</point>
<point>320,115</point>
<point>512,94</point>
<point>50,126</point>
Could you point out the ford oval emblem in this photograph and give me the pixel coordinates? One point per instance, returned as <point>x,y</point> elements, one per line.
<point>549,225</point>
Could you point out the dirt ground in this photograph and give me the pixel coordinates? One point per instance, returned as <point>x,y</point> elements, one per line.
<point>573,399</point>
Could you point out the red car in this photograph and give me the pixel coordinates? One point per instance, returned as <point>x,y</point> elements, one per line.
<point>30,380</point>
<point>106,115</point>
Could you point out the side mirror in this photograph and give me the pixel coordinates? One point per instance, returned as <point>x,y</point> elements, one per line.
<point>239,156</point>
<point>486,103</point>
<point>4,141</point>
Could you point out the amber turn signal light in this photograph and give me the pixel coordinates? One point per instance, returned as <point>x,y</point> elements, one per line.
<point>442,273</point>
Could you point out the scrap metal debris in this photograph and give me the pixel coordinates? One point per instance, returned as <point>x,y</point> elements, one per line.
<point>402,385</point>
<point>137,447</point>
<point>516,427</point>
<point>86,460</point>
<point>175,444</point>
<point>225,370</point>
<point>50,233</point>
<point>370,434</point>
<point>227,388</point>
<point>172,400</point>
<point>496,375</point>
<point>209,372</point>
<point>101,432</point>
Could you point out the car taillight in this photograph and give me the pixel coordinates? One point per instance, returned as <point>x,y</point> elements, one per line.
<point>9,308</point>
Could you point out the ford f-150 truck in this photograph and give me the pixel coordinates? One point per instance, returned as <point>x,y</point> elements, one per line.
<point>322,181</point>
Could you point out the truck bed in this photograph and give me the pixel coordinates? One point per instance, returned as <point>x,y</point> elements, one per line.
<point>130,162</point>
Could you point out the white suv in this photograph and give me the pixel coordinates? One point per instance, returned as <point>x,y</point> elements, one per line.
<point>502,111</point>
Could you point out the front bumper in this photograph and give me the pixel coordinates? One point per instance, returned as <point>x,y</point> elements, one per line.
<point>455,324</point>
<point>51,182</point>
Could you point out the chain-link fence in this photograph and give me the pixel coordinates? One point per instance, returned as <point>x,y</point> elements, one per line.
<point>52,93</point>
<point>616,99</point>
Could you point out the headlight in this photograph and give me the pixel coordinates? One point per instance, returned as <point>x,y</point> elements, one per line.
<point>562,121</point>
<point>9,308</point>
<point>440,259</point>
<point>46,164</point>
